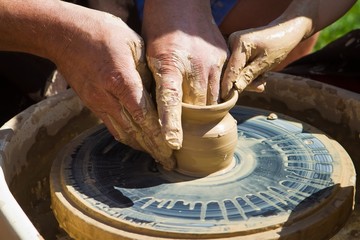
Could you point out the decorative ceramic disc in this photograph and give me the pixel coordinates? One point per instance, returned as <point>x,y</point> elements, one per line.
<point>287,180</point>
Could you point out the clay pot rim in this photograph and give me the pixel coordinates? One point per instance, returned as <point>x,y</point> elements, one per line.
<point>228,104</point>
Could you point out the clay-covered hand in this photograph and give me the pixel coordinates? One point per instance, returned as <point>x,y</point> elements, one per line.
<point>186,53</point>
<point>255,51</point>
<point>110,76</point>
<point>101,58</point>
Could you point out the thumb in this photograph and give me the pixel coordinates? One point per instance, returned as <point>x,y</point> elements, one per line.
<point>240,54</point>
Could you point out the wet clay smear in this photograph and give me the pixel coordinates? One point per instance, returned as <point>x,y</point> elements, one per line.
<point>31,187</point>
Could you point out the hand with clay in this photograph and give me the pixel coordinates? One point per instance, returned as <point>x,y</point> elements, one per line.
<point>257,50</point>
<point>186,53</point>
<point>100,57</point>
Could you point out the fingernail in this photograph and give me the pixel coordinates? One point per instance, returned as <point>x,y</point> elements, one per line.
<point>240,85</point>
<point>173,140</point>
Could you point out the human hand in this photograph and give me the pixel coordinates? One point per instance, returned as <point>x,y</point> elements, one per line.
<point>255,51</point>
<point>186,53</point>
<point>105,64</point>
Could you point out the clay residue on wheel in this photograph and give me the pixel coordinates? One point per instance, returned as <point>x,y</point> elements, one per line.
<point>31,187</point>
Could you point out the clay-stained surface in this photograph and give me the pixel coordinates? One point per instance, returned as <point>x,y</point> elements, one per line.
<point>31,186</point>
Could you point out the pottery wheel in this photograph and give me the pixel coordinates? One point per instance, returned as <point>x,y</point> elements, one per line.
<point>287,180</point>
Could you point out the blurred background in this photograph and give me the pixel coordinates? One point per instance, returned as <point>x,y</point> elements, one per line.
<point>350,21</point>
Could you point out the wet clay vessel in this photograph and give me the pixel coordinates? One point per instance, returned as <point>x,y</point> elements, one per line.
<point>210,138</point>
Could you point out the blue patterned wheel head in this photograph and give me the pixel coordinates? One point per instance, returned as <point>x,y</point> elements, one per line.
<point>284,174</point>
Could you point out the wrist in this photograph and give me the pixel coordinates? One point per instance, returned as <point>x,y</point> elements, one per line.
<point>166,16</point>
<point>302,15</point>
<point>177,8</point>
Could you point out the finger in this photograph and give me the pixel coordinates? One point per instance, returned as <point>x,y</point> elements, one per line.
<point>195,83</point>
<point>145,75</point>
<point>258,85</point>
<point>121,130</point>
<point>137,48</point>
<point>151,126</point>
<point>238,59</point>
<point>145,142</point>
<point>213,90</point>
<point>251,72</point>
<point>140,111</point>
<point>130,133</point>
<point>169,98</point>
<point>121,135</point>
<point>256,88</point>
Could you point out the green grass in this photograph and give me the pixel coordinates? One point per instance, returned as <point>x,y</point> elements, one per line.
<point>351,20</point>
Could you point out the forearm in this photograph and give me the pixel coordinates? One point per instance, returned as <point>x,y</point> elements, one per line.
<point>331,10</point>
<point>315,14</point>
<point>28,26</point>
<point>179,15</point>
<point>44,28</point>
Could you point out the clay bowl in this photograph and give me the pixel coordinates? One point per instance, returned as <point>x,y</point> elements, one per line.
<point>210,138</point>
